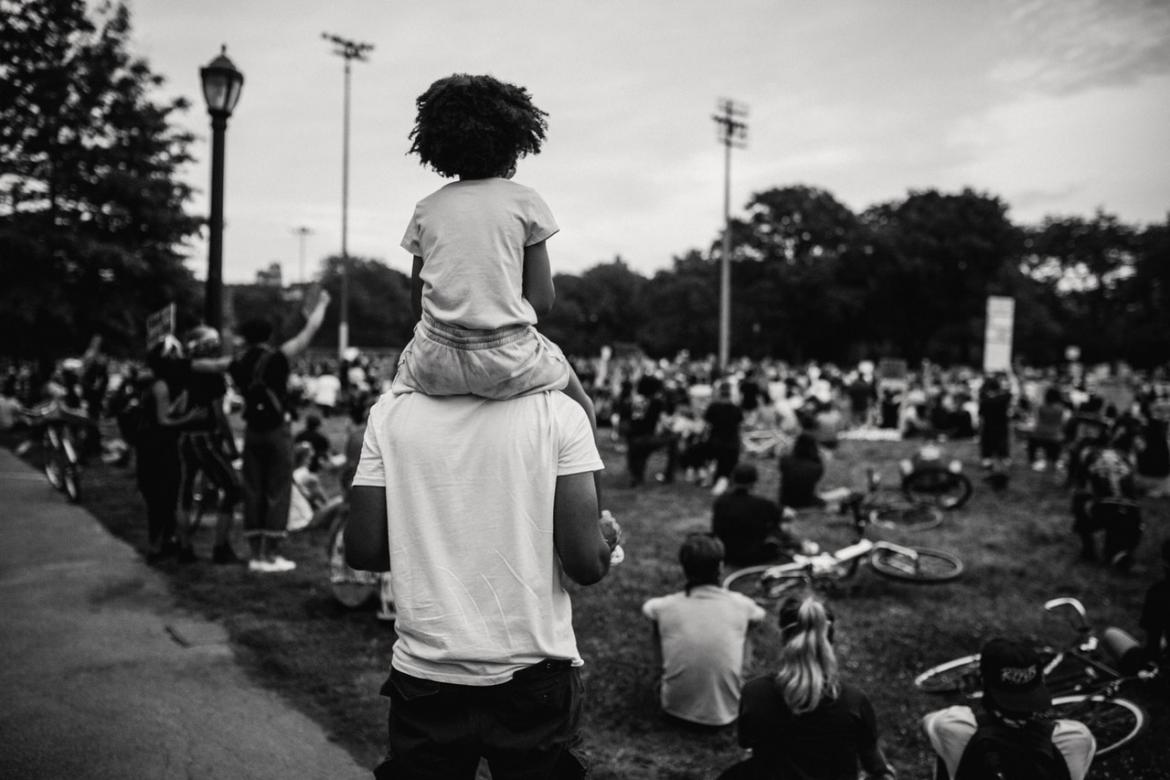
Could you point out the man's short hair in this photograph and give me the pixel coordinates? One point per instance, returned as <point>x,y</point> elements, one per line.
<point>744,474</point>
<point>701,555</point>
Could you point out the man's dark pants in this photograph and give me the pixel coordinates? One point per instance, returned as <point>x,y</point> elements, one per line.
<point>525,728</point>
<point>267,475</point>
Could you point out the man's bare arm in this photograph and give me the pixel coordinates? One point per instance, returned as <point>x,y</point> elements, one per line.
<point>583,551</point>
<point>367,537</point>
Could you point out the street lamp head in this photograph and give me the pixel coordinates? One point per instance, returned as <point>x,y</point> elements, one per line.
<point>221,85</point>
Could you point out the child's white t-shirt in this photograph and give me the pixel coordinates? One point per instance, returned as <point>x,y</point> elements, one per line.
<point>471,236</point>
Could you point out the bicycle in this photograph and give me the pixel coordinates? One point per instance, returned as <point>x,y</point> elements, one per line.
<point>769,582</point>
<point>925,477</point>
<point>1084,685</point>
<point>61,451</point>
<point>893,509</point>
<point>353,588</point>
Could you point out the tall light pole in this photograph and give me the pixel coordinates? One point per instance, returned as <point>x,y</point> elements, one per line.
<point>349,51</point>
<point>302,232</point>
<point>222,83</point>
<point>732,131</point>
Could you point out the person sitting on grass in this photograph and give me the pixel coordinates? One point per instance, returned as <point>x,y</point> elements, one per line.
<point>1155,619</point>
<point>801,470</point>
<point>752,528</point>
<point>700,639</point>
<point>803,720</point>
<point>1010,738</point>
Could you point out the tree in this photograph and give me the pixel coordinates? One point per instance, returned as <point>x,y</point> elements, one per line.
<point>92,213</point>
<point>379,303</point>
<point>938,256</point>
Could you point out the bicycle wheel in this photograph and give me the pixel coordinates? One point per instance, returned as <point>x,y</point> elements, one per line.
<point>352,588</point>
<point>71,482</point>
<point>1113,721</point>
<point>960,675</point>
<point>52,465</point>
<point>916,516</point>
<point>945,489</point>
<point>925,566</point>
<point>763,584</point>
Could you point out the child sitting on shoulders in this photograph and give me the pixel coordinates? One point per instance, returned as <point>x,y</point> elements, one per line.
<point>481,274</point>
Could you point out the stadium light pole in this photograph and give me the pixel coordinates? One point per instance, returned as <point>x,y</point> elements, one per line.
<point>732,130</point>
<point>348,50</point>
<point>302,233</point>
<point>222,83</point>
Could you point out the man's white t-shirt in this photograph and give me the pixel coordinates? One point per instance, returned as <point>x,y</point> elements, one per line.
<point>471,235</point>
<point>703,638</point>
<point>470,486</point>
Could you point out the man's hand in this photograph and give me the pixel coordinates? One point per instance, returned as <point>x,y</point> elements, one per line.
<point>611,531</point>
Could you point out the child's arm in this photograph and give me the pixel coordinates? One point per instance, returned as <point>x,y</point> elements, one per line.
<point>538,283</point>
<point>416,288</point>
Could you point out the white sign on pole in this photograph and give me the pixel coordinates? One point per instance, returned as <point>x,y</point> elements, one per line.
<point>160,324</point>
<point>997,342</point>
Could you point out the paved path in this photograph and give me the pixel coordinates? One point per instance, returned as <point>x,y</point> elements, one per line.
<point>105,677</point>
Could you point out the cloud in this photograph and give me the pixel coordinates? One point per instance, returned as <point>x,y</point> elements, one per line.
<point>1062,47</point>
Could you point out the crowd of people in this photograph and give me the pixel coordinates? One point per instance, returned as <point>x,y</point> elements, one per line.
<point>473,479</point>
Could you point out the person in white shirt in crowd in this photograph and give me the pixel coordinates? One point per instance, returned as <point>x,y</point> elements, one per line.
<point>700,639</point>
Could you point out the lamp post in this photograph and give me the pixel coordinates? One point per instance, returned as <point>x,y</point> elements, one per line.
<point>349,51</point>
<point>221,90</point>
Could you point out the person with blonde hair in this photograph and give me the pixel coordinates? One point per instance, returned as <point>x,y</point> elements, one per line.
<point>803,720</point>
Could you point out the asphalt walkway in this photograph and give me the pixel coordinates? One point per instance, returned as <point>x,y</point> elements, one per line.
<point>105,677</point>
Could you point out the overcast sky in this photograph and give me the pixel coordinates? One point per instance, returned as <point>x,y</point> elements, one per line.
<point>1058,107</point>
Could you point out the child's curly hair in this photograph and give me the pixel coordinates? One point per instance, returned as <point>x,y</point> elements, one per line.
<point>475,127</point>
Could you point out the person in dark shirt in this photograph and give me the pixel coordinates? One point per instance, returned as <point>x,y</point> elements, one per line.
<point>750,526</point>
<point>803,720</point>
<point>801,469</point>
<point>1155,620</point>
<point>723,419</point>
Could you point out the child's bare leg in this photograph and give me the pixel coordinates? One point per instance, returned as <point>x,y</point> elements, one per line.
<point>576,391</point>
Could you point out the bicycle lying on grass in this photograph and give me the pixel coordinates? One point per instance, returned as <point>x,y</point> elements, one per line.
<point>59,443</point>
<point>1084,678</point>
<point>770,582</point>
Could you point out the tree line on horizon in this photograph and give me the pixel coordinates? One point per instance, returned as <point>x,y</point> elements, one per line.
<point>95,235</point>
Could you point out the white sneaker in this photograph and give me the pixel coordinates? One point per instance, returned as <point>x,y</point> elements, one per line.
<point>260,566</point>
<point>720,487</point>
<point>280,564</point>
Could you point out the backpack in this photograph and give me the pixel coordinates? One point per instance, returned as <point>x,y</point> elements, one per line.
<point>262,407</point>
<point>1000,752</point>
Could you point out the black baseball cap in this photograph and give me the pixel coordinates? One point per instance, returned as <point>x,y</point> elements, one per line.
<point>1013,677</point>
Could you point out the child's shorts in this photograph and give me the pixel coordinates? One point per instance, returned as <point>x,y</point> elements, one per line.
<point>498,364</point>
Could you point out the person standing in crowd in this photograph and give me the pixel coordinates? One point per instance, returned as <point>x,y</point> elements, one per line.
<point>1046,439</point>
<point>1155,617</point>
<point>749,526</point>
<point>1153,454</point>
<point>207,447</point>
<point>478,509</point>
<point>161,413</point>
<point>261,373</point>
<point>995,405</point>
<point>701,639</point>
<point>645,422</point>
<point>723,419</point>
<point>803,720</point>
<point>1011,734</point>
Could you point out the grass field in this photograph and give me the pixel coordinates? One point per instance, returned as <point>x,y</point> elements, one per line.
<point>1017,547</point>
